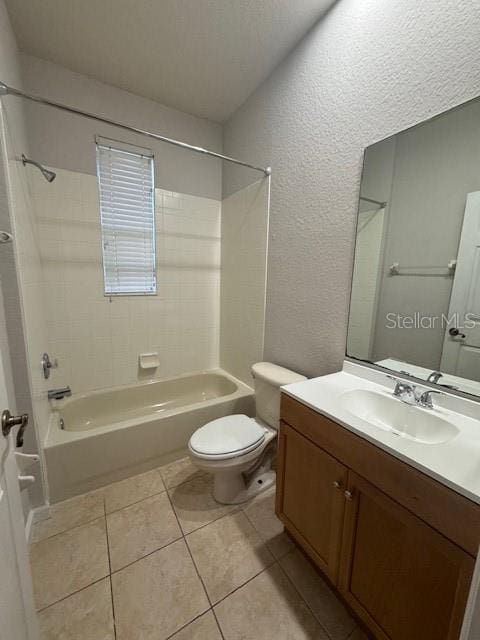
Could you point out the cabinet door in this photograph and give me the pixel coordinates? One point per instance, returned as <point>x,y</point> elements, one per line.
<point>310,499</point>
<point>403,578</point>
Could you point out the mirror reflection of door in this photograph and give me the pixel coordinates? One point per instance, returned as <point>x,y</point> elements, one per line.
<point>461,347</point>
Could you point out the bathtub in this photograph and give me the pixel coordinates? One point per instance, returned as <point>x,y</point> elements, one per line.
<point>103,436</point>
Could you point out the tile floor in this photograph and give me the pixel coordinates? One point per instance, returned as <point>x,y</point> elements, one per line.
<point>155,557</point>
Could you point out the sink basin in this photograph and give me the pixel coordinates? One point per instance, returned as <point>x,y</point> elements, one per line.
<point>397,417</point>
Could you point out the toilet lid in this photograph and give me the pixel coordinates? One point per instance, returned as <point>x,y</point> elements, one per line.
<point>232,434</point>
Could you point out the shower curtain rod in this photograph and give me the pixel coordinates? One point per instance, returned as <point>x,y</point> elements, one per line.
<point>6,90</point>
<point>380,204</point>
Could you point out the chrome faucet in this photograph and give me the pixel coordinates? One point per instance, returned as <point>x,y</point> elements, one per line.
<point>58,394</point>
<point>435,376</point>
<point>409,394</point>
<point>404,391</point>
<point>425,398</point>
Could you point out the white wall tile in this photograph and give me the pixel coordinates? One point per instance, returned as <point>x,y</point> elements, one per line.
<point>112,333</point>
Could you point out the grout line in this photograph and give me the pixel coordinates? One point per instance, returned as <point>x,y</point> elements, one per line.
<point>150,553</point>
<point>322,626</point>
<point>110,576</point>
<point>76,526</point>
<point>196,568</point>
<point>218,623</point>
<point>126,506</point>
<point>202,526</point>
<point>71,594</point>
<point>190,553</point>
<point>270,566</point>
<point>171,637</point>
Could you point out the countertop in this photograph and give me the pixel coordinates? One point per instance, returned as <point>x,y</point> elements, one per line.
<point>455,463</point>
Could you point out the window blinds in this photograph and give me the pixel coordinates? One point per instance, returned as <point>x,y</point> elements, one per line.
<point>127,209</point>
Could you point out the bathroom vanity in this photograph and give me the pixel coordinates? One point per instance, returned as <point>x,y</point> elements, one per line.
<point>391,518</point>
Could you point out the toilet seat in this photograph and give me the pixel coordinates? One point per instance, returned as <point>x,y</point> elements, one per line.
<point>227,437</point>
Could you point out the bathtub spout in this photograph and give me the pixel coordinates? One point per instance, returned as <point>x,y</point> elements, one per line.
<point>58,394</point>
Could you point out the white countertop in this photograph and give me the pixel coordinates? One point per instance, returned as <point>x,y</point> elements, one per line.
<point>455,463</point>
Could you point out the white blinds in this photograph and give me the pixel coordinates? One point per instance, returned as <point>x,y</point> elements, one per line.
<point>128,220</point>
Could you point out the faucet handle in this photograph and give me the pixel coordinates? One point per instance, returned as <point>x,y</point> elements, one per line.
<point>402,386</point>
<point>425,399</point>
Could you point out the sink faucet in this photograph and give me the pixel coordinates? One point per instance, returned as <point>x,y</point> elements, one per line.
<point>409,394</point>
<point>58,394</point>
<point>425,399</point>
<point>404,391</point>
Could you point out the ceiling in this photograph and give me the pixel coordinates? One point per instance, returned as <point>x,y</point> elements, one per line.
<point>203,57</point>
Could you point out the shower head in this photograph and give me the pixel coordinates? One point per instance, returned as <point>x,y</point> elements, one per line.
<point>48,175</point>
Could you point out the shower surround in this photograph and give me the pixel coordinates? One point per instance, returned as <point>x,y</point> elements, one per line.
<point>97,339</point>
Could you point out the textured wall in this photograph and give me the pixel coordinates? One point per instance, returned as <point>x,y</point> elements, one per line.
<point>368,69</point>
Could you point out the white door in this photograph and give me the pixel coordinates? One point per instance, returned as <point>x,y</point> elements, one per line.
<point>461,346</point>
<point>17,612</point>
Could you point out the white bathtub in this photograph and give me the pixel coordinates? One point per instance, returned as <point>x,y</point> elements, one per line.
<point>112,434</point>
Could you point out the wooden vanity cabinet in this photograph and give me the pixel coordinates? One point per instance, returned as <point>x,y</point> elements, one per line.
<point>401,577</point>
<point>404,578</point>
<point>313,503</point>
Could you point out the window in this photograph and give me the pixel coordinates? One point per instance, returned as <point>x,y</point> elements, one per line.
<point>127,206</point>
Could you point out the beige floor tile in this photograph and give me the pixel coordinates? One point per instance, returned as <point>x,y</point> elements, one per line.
<point>157,595</point>
<point>267,608</point>
<point>141,528</point>
<point>194,504</point>
<point>328,609</point>
<point>179,471</point>
<point>228,552</point>
<point>261,513</point>
<point>126,492</point>
<point>203,628</point>
<point>68,562</point>
<point>68,514</point>
<point>85,615</point>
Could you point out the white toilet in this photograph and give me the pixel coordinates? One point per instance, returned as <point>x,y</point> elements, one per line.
<point>239,450</point>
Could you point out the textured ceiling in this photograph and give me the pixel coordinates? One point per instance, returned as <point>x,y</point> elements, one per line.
<point>204,57</point>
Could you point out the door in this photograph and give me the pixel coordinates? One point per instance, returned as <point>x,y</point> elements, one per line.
<point>310,499</point>
<point>403,578</point>
<point>461,347</point>
<point>17,612</point>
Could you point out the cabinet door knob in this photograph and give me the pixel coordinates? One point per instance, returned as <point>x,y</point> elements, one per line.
<point>337,484</point>
<point>348,495</point>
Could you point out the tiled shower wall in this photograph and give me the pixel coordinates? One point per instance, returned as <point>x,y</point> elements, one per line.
<point>96,339</point>
<point>243,282</point>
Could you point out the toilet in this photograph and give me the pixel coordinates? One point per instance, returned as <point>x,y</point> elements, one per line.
<point>239,450</point>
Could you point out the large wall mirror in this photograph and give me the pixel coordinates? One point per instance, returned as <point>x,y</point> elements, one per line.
<point>415,304</point>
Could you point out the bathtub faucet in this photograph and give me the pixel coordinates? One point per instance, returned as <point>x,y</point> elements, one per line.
<point>58,394</point>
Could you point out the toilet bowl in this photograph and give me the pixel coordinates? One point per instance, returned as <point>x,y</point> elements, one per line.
<point>239,450</point>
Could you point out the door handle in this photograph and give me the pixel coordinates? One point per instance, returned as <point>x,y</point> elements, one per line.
<point>455,333</point>
<point>348,495</point>
<point>9,421</point>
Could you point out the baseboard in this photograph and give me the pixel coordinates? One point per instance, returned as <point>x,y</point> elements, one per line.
<point>36,515</point>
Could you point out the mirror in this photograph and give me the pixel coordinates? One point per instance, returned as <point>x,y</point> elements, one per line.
<point>415,302</point>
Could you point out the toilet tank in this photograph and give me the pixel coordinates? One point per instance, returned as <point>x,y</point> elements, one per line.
<point>268,378</point>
